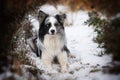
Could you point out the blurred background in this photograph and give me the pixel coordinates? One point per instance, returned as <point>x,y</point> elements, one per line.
<point>104,17</point>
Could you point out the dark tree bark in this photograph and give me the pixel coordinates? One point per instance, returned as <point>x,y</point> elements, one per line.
<point>12,12</point>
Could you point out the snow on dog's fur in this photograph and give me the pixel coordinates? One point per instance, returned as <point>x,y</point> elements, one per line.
<point>51,41</point>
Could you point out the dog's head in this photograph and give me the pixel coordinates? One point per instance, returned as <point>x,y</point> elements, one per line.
<point>51,24</point>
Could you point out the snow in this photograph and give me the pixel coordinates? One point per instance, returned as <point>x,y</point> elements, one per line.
<point>80,43</point>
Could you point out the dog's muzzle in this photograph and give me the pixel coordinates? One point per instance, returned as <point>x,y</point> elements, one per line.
<point>52,32</point>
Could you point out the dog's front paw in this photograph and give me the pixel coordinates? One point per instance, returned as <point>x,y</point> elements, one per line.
<point>64,70</point>
<point>72,56</point>
<point>51,71</point>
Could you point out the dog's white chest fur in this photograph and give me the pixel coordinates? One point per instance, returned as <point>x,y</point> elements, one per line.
<point>53,44</point>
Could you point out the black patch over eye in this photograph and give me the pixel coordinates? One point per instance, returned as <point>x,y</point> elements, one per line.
<point>56,24</point>
<point>48,25</point>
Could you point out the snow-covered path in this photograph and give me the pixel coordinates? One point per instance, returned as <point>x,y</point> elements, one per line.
<point>80,41</point>
<point>87,65</point>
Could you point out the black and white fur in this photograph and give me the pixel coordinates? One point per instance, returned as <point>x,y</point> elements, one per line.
<point>51,41</point>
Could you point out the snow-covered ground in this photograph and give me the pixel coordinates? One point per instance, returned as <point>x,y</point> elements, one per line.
<point>87,65</point>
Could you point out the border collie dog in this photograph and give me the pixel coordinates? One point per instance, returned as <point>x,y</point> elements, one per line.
<point>51,41</point>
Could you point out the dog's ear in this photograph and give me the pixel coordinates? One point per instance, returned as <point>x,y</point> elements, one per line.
<point>61,18</point>
<point>41,16</point>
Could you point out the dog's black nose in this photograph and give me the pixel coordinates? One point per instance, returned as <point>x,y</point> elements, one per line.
<point>52,31</point>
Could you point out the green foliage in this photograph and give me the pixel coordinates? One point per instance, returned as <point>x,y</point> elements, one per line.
<point>98,25</point>
<point>108,33</point>
<point>112,37</point>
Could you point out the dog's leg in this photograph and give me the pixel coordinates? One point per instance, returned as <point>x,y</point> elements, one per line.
<point>63,60</point>
<point>47,60</point>
<point>68,52</point>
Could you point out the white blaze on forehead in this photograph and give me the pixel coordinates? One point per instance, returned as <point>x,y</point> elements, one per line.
<point>51,20</point>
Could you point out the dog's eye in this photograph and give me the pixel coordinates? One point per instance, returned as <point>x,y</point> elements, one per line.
<point>56,24</point>
<point>48,25</point>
